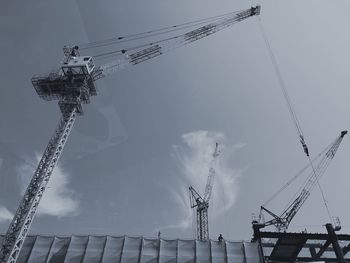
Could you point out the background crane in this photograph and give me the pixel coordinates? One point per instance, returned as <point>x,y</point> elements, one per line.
<point>282,222</point>
<point>73,83</point>
<point>202,203</point>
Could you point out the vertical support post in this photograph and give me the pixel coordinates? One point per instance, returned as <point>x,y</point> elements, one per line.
<point>256,231</point>
<point>202,221</point>
<point>21,222</point>
<point>257,238</point>
<point>334,239</point>
<point>199,224</point>
<point>205,222</point>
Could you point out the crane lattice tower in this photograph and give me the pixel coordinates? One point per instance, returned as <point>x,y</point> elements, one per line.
<point>202,203</point>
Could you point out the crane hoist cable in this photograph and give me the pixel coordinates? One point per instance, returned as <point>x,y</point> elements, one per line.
<point>154,32</point>
<point>292,112</point>
<point>135,47</point>
<point>284,91</point>
<point>225,20</point>
<point>150,33</point>
<point>136,54</point>
<point>143,37</point>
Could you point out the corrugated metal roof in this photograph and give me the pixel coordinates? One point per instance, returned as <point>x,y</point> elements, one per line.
<point>125,249</point>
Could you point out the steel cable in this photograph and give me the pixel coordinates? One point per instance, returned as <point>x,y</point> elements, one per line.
<point>294,119</point>
<point>150,33</point>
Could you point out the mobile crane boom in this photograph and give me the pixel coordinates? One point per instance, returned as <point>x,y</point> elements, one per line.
<point>282,222</point>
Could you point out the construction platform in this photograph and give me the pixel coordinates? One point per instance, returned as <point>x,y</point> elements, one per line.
<point>67,89</point>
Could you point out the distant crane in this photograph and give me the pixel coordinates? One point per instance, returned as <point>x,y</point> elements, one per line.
<point>72,84</point>
<point>282,222</point>
<point>202,203</point>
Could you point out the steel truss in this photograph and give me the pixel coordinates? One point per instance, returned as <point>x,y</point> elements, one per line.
<point>23,218</point>
<point>202,214</point>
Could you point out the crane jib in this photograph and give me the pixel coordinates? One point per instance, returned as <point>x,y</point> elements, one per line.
<point>200,32</point>
<point>151,50</point>
<point>145,54</point>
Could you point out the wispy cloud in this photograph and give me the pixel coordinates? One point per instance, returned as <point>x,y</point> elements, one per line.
<point>193,157</point>
<point>58,200</point>
<point>115,133</point>
<point>5,214</point>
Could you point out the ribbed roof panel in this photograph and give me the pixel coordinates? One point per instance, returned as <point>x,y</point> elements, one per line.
<point>113,249</point>
<point>94,249</point>
<point>26,249</point>
<point>107,249</point>
<point>76,249</point>
<point>235,252</point>
<point>186,251</point>
<point>59,249</point>
<point>251,252</point>
<point>168,251</point>
<point>203,252</point>
<point>40,250</point>
<point>150,251</point>
<point>131,250</point>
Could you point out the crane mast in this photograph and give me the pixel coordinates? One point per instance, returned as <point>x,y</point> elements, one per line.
<point>202,203</point>
<point>23,218</point>
<point>282,222</point>
<point>73,84</point>
<point>70,101</point>
<point>202,225</point>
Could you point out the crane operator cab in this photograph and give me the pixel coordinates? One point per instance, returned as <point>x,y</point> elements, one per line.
<point>78,66</point>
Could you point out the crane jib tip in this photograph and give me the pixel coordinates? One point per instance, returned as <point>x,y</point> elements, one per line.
<point>343,133</point>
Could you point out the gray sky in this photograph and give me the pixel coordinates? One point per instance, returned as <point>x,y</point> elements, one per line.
<point>144,138</point>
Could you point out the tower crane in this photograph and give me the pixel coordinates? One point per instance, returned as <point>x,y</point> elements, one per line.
<point>282,221</point>
<point>202,203</point>
<point>72,84</point>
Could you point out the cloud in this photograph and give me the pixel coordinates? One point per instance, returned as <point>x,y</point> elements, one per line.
<point>193,157</point>
<point>58,200</point>
<point>5,214</point>
<point>115,133</point>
